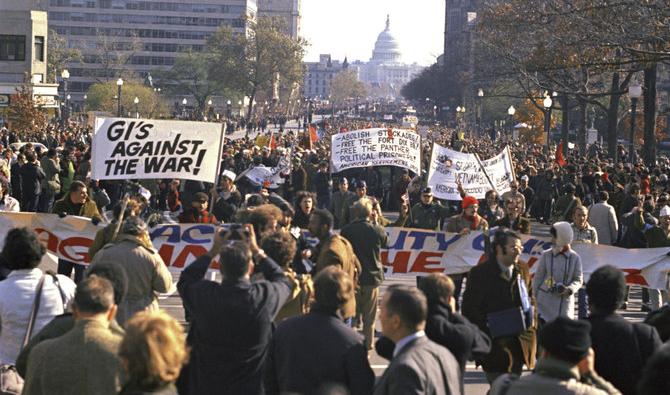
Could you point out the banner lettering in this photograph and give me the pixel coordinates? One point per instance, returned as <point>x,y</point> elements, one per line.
<point>148,148</point>
<point>376,147</point>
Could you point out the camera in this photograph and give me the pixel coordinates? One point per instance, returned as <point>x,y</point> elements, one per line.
<point>558,288</point>
<point>236,231</point>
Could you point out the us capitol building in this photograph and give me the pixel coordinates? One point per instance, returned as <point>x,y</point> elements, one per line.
<point>385,73</point>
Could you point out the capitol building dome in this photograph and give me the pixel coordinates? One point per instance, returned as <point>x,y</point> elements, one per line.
<point>386,49</point>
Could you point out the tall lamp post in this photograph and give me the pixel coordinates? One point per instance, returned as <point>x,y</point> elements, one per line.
<point>183,108</point>
<point>634,92</point>
<point>228,111</point>
<point>547,103</point>
<point>65,75</point>
<point>119,84</point>
<point>511,111</point>
<point>460,112</point>
<point>478,111</point>
<point>137,109</point>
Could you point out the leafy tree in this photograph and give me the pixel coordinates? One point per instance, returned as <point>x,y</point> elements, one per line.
<point>24,113</point>
<point>192,74</point>
<point>102,97</point>
<point>345,85</point>
<point>59,55</point>
<point>427,84</point>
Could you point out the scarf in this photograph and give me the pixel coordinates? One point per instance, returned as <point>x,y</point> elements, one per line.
<point>474,220</point>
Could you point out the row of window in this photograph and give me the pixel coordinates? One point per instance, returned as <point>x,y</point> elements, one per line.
<point>143,19</point>
<point>127,32</point>
<point>13,48</point>
<point>151,6</point>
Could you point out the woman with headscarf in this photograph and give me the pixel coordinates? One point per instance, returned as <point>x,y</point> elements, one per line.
<point>558,276</point>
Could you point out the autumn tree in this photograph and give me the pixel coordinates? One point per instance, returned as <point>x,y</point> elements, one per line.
<point>345,85</point>
<point>102,97</point>
<point>24,113</point>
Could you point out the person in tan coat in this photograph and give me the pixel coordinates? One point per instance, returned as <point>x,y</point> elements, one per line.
<point>334,250</point>
<point>147,274</point>
<point>84,360</point>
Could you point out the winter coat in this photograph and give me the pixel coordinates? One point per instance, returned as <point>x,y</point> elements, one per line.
<point>602,216</point>
<point>553,268</point>
<point>147,274</point>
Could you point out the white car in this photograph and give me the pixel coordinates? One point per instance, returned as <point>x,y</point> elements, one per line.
<point>17,146</point>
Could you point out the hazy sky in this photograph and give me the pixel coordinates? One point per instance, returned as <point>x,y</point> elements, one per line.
<point>350,27</point>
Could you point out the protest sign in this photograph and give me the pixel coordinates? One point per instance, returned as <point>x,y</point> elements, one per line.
<point>448,167</point>
<point>269,177</point>
<point>411,252</point>
<point>500,171</point>
<point>376,147</point>
<point>148,148</point>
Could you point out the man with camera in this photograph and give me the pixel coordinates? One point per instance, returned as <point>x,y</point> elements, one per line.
<point>232,321</point>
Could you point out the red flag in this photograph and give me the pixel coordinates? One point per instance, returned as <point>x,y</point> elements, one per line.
<point>313,137</point>
<point>559,155</point>
<point>273,142</point>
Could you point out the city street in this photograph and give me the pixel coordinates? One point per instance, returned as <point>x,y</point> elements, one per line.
<point>475,381</point>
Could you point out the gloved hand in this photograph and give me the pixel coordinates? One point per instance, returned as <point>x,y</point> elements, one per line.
<point>95,220</point>
<point>62,214</point>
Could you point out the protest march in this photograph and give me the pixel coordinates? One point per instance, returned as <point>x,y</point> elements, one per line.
<point>329,205</point>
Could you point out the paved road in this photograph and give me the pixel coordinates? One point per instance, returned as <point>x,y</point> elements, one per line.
<point>475,382</point>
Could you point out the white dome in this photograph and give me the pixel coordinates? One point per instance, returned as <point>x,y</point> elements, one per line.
<point>386,49</point>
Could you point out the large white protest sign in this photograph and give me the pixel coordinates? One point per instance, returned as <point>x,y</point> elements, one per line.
<point>410,252</point>
<point>376,147</point>
<point>500,170</point>
<point>148,148</point>
<point>448,167</point>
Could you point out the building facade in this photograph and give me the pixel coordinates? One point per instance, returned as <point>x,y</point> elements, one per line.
<point>289,10</point>
<point>23,53</point>
<point>138,35</point>
<point>319,75</point>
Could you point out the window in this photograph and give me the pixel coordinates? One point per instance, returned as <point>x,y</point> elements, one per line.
<point>39,48</point>
<point>12,47</point>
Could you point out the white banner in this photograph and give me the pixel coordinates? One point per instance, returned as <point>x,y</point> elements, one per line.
<point>270,177</point>
<point>447,167</point>
<point>149,148</point>
<point>500,171</point>
<point>411,252</point>
<point>376,147</point>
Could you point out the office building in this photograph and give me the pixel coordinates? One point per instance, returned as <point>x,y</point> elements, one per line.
<point>138,35</point>
<point>23,53</point>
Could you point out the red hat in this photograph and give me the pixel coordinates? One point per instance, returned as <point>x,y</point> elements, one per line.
<point>469,201</point>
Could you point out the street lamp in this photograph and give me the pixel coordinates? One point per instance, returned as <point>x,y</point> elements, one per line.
<point>547,103</point>
<point>634,92</point>
<point>183,107</point>
<point>511,111</point>
<point>65,75</point>
<point>137,102</point>
<point>119,84</point>
<point>478,111</point>
<point>228,109</point>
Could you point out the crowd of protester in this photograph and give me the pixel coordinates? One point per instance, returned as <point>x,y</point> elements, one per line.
<point>290,316</point>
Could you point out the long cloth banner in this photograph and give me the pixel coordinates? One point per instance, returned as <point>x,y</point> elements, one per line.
<point>448,167</point>
<point>149,148</point>
<point>410,252</point>
<point>376,147</point>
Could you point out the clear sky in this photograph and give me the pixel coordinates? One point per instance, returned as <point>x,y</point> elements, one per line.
<point>350,27</point>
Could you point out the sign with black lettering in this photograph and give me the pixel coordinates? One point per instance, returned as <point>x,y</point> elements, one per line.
<point>147,148</point>
<point>376,147</point>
